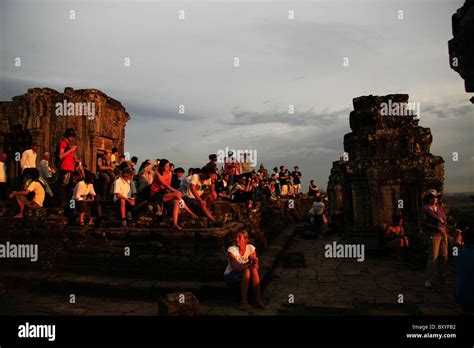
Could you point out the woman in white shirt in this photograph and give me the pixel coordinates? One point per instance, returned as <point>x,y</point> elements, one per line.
<point>85,198</point>
<point>145,177</point>
<point>243,266</point>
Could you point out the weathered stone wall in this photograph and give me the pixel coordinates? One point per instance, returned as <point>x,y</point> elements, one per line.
<point>461,46</point>
<point>32,117</point>
<point>389,162</point>
<point>194,254</point>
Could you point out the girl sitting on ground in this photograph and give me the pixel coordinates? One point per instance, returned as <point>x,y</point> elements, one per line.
<point>395,237</point>
<point>243,266</point>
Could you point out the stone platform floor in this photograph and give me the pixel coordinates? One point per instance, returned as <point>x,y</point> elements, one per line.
<point>322,287</point>
<point>375,286</point>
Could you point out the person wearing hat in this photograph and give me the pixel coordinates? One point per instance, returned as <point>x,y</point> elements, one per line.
<point>65,164</point>
<point>433,225</point>
<point>124,194</point>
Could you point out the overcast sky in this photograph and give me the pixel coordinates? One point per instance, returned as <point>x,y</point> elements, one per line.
<point>282,62</point>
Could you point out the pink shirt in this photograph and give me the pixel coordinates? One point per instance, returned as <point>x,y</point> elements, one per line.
<point>156,186</point>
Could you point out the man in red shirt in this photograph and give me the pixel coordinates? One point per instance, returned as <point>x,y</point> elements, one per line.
<point>65,162</point>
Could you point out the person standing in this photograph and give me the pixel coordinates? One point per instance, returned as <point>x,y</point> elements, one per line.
<point>3,183</point>
<point>317,213</point>
<point>283,178</point>
<point>213,163</point>
<point>433,225</point>
<point>296,180</point>
<point>277,181</point>
<point>66,164</point>
<point>464,290</point>
<point>46,172</point>
<point>28,157</point>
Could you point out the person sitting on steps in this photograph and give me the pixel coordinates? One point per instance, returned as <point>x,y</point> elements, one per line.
<point>124,195</point>
<point>243,266</point>
<point>33,188</point>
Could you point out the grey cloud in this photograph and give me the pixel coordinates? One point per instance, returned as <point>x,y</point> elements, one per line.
<point>299,118</point>
<point>149,111</point>
<point>450,110</point>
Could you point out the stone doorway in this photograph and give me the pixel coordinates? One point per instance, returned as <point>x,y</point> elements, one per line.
<point>13,144</point>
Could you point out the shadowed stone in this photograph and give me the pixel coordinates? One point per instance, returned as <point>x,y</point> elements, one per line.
<point>387,169</point>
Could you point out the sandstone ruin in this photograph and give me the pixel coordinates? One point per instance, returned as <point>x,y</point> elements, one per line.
<point>461,46</point>
<point>33,117</point>
<point>385,171</point>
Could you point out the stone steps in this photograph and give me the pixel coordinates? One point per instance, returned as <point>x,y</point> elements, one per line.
<point>135,286</point>
<point>160,254</point>
<point>92,260</point>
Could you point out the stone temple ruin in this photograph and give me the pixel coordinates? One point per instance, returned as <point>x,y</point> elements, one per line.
<point>385,171</point>
<point>32,117</point>
<point>461,46</point>
<point>147,258</point>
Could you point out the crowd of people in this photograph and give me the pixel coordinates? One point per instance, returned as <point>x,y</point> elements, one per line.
<point>68,183</point>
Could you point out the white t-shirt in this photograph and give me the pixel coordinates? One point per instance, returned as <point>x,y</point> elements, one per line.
<point>185,183</point>
<point>196,180</point>
<point>28,159</point>
<point>44,169</point>
<point>318,208</point>
<point>234,250</point>
<point>3,172</point>
<point>82,189</point>
<point>126,189</point>
<point>36,187</point>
